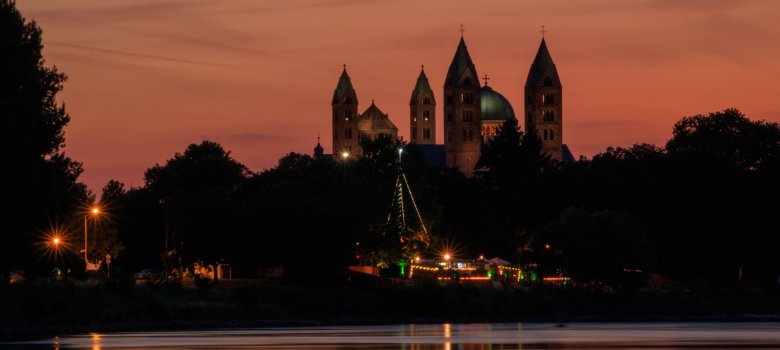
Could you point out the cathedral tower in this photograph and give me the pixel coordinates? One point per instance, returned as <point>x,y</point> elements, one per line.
<point>345,117</point>
<point>543,103</point>
<point>462,122</point>
<point>422,117</point>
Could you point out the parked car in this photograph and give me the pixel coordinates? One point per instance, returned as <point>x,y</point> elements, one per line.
<point>148,275</point>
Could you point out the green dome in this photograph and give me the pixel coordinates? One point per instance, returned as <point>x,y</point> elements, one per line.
<point>494,106</point>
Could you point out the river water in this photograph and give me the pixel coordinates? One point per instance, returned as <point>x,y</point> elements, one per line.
<point>439,336</point>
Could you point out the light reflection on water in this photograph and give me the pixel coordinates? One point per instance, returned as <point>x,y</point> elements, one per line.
<point>440,336</point>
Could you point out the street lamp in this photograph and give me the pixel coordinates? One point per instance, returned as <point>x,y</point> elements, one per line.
<point>94,211</point>
<point>54,245</point>
<point>344,155</point>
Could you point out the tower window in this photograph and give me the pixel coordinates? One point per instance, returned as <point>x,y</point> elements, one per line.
<point>449,117</point>
<point>426,115</point>
<point>347,115</point>
<point>414,119</point>
<point>468,116</point>
<point>545,134</point>
<point>466,98</point>
<point>549,116</point>
<point>467,81</point>
<point>552,135</point>
<point>465,135</point>
<point>348,133</point>
<point>427,101</point>
<point>547,82</point>
<point>548,99</point>
<point>426,133</point>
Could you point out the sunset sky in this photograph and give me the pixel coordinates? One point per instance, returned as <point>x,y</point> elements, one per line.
<point>147,78</point>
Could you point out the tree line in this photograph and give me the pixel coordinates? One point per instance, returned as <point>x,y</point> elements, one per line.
<point>697,210</point>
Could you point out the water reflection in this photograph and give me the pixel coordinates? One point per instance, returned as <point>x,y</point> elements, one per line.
<point>439,336</point>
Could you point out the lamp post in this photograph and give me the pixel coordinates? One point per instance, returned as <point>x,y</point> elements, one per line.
<point>55,244</point>
<point>94,211</point>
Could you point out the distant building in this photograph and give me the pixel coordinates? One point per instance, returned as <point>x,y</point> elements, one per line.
<point>349,126</point>
<point>472,113</point>
<point>544,103</point>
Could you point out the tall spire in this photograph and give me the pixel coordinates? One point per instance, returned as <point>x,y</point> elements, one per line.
<point>318,150</point>
<point>344,92</point>
<point>421,88</point>
<point>460,63</point>
<point>543,67</point>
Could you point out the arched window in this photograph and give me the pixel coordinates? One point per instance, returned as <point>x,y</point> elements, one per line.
<point>549,116</point>
<point>545,134</point>
<point>427,101</point>
<point>426,115</point>
<point>347,115</point>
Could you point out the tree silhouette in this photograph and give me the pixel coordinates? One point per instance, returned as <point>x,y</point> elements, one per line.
<point>196,189</point>
<point>39,182</point>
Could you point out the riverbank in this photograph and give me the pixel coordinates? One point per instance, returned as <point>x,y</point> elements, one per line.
<point>40,309</point>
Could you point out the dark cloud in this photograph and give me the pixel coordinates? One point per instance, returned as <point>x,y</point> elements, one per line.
<point>620,123</point>
<point>253,137</point>
<point>136,55</point>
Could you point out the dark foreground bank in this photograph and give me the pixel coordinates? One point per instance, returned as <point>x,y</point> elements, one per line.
<point>35,310</point>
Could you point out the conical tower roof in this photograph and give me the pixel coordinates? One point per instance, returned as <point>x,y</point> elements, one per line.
<point>460,63</point>
<point>543,66</point>
<point>420,89</point>
<point>344,92</point>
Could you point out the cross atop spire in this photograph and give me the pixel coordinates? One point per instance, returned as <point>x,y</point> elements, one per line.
<point>422,67</point>
<point>345,66</point>
<point>543,31</point>
<point>461,30</point>
<point>486,78</point>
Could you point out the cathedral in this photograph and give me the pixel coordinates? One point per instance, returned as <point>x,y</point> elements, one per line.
<point>472,113</point>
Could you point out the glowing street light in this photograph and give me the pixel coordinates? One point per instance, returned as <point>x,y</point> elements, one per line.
<point>94,211</point>
<point>447,257</point>
<point>56,241</point>
<point>345,155</point>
